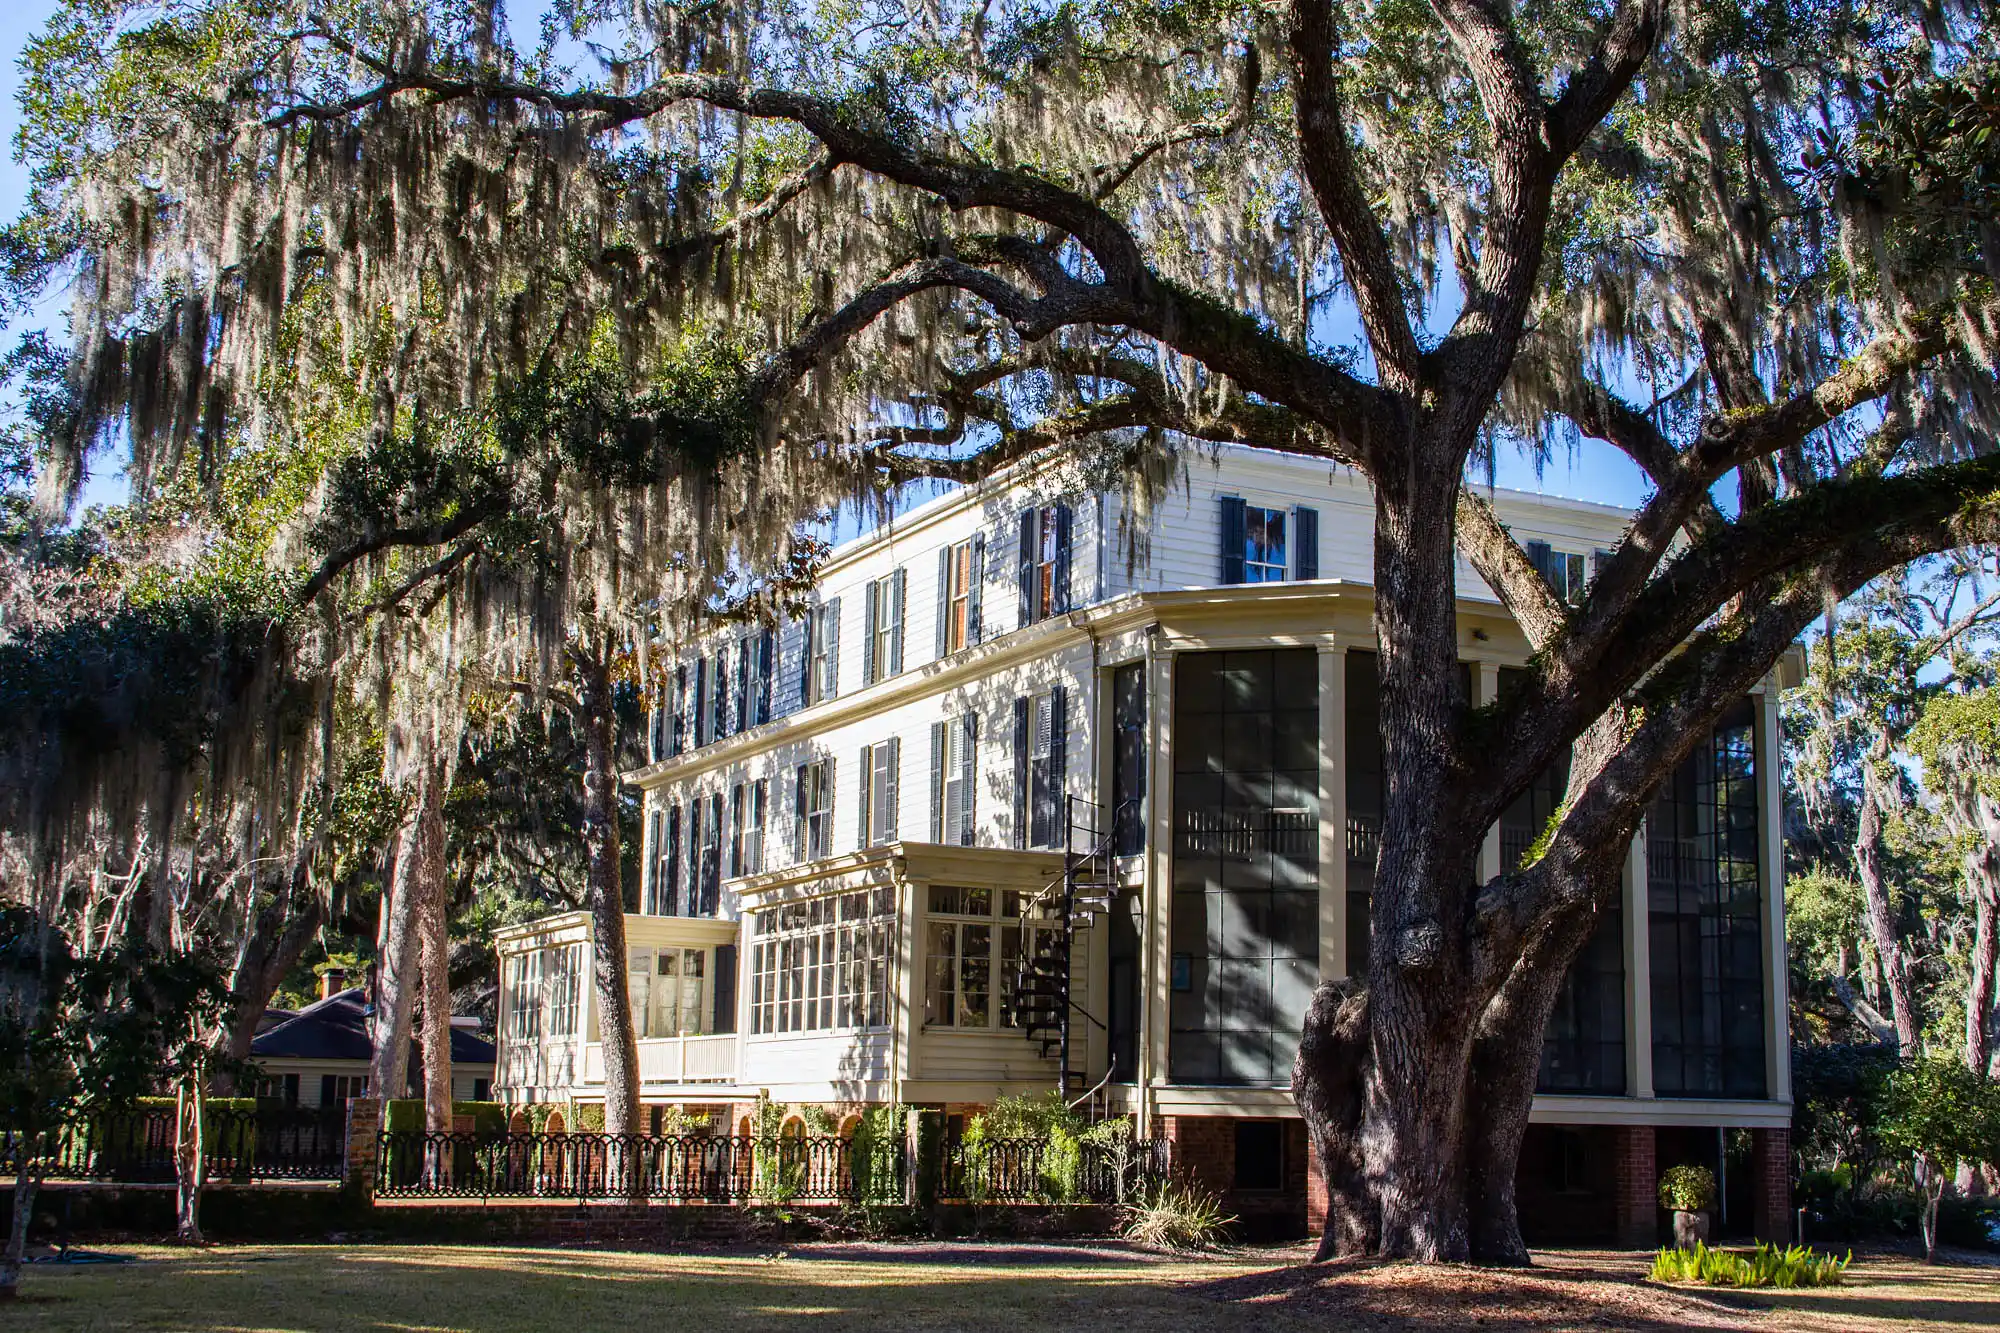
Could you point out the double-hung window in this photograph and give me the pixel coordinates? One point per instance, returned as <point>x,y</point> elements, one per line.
<point>756,814</point>
<point>960,572</point>
<point>1264,549</point>
<point>822,655</point>
<point>706,889</point>
<point>974,946</point>
<point>813,809</point>
<point>882,627</point>
<point>879,765</point>
<point>1263,544</point>
<point>954,765</point>
<point>565,981</point>
<point>1044,562</point>
<point>1040,726</point>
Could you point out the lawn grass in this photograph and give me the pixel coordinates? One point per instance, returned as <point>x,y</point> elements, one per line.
<point>934,1287</point>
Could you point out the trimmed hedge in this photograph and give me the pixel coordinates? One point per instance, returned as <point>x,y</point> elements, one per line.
<point>407,1113</point>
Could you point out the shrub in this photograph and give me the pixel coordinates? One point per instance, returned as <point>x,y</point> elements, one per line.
<point>875,1155</point>
<point>1175,1215</point>
<point>1687,1189</point>
<point>407,1113</point>
<point>1766,1266</point>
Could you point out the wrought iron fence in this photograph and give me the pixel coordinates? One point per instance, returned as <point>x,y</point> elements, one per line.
<point>687,1168</point>
<point>274,1143</point>
<point>1040,1170</point>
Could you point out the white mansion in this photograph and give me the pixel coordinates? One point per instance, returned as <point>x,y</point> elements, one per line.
<point>1031,798</point>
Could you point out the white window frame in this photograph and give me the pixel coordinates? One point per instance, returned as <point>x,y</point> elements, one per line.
<point>1273,566</point>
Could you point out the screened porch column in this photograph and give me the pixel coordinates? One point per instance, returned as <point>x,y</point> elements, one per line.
<point>1771,854</point>
<point>1156,945</point>
<point>1332,811</point>
<point>1485,689</point>
<point>1638,971</point>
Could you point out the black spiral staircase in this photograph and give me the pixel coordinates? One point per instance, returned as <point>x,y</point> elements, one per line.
<point>1050,922</point>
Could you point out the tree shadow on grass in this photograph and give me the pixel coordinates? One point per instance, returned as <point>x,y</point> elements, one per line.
<point>1378,1297</point>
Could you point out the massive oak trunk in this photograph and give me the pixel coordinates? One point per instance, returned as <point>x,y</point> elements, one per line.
<point>1983,877</point>
<point>1421,1014</point>
<point>605,888</point>
<point>419,862</point>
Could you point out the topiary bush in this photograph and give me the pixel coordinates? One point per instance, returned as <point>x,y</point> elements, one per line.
<point>1687,1189</point>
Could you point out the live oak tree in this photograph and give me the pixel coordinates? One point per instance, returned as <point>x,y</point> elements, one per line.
<point>1748,246</point>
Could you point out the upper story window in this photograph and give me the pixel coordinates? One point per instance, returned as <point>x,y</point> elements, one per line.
<point>664,893</point>
<point>1040,724</point>
<point>1565,571</point>
<point>821,659</point>
<point>749,811</point>
<point>813,808</point>
<point>1261,544</point>
<point>1044,562</point>
<point>954,765</point>
<point>879,764</point>
<point>961,570</point>
<point>882,628</point>
<point>705,889</point>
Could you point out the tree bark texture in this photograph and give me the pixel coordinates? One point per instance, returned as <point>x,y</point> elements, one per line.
<point>419,862</point>
<point>190,1158</point>
<point>434,1004</point>
<point>21,1214</point>
<point>277,938</point>
<point>606,892</point>
<point>1881,911</point>
<point>1983,878</point>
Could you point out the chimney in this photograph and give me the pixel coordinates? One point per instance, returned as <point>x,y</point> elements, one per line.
<point>332,982</point>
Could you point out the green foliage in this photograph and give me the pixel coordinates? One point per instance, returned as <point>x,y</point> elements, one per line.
<point>1175,1215</point>
<point>407,1114</point>
<point>1688,1189</point>
<point>875,1155</point>
<point>678,1120</point>
<point>1937,1109</point>
<point>1044,1118</point>
<point>777,1173</point>
<point>1838,1104</point>
<point>1766,1266</point>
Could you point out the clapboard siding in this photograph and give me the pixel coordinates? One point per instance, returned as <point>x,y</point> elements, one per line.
<point>816,1059</point>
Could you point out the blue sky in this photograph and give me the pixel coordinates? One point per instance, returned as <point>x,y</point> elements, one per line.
<point>1594,471</point>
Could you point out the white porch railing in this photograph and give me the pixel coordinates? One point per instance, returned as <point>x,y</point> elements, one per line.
<point>673,1060</point>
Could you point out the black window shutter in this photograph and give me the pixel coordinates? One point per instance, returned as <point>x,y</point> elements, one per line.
<point>694,833</point>
<point>799,816</point>
<point>790,670</point>
<point>1234,534</point>
<point>1058,734</point>
<point>677,705</point>
<point>767,652</point>
<point>1021,772</point>
<point>1026,573</point>
<point>968,768</point>
<point>978,582</point>
<point>673,904</point>
<point>891,802</point>
<point>864,810</point>
<point>1598,560</point>
<point>1538,556</point>
<point>649,895</point>
<point>1060,592</point>
<point>1305,531</point>
<point>943,599</point>
<point>939,833</point>
<point>725,989</point>
<point>871,621</point>
<point>699,705</point>
<point>740,719</point>
<point>831,685</point>
<point>899,588</point>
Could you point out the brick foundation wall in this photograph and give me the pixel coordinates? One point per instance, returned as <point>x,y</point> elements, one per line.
<point>1635,1186</point>
<point>1204,1150</point>
<point>1771,1184</point>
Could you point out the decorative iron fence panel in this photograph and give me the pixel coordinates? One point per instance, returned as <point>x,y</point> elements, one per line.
<point>280,1143</point>
<point>686,1168</point>
<point>1050,1172</point>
